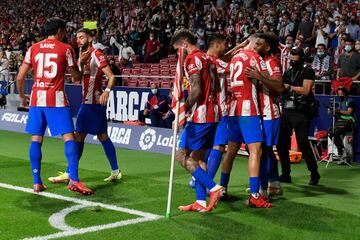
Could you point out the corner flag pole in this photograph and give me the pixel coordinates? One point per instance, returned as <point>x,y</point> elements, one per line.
<point>173,152</point>
<point>177,96</point>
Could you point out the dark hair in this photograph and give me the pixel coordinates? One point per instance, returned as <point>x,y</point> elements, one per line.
<point>216,38</point>
<point>297,51</point>
<point>345,91</point>
<point>349,39</point>
<point>271,40</point>
<point>289,35</point>
<point>53,25</point>
<point>321,44</point>
<point>184,34</point>
<point>86,31</point>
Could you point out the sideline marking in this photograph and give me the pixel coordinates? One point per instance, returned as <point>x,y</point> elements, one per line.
<point>70,231</point>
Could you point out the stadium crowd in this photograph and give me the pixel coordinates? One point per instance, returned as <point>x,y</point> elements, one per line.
<point>144,28</point>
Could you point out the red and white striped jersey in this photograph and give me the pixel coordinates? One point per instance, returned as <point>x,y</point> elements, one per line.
<point>92,82</point>
<point>285,58</point>
<point>268,108</point>
<point>49,59</point>
<point>244,93</point>
<point>206,108</point>
<point>221,68</point>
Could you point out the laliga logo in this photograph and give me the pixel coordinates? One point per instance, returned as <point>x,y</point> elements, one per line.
<point>147,139</point>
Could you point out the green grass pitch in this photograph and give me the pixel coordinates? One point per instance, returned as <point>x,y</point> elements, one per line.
<point>328,211</point>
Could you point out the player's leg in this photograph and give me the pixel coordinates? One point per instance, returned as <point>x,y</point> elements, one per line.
<point>264,171</point>
<point>196,138</point>
<point>36,126</point>
<point>110,153</point>
<point>274,182</point>
<point>216,153</point>
<point>227,163</point>
<point>60,123</point>
<point>155,117</point>
<point>251,129</point>
<point>141,116</point>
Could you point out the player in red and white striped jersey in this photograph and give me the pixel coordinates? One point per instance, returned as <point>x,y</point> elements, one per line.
<point>91,118</point>
<point>217,47</point>
<point>48,104</point>
<point>244,122</point>
<point>271,85</point>
<point>202,107</point>
<point>285,52</point>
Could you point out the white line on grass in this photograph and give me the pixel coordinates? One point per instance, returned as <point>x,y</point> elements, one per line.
<point>58,218</point>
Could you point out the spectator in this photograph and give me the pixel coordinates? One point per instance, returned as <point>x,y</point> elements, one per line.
<point>125,52</point>
<point>151,49</point>
<point>353,28</point>
<point>349,64</point>
<point>156,108</point>
<point>357,46</point>
<point>306,29</point>
<point>321,31</point>
<point>322,63</point>
<point>4,66</point>
<point>116,71</point>
<point>285,52</point>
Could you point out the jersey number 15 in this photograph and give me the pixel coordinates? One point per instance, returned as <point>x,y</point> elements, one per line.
<point>45,60</point>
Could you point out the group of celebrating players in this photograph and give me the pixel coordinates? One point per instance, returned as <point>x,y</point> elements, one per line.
<point>219,112</point>
<point>218,115</point>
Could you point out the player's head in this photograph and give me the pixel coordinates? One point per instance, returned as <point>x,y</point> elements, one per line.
<point>266,44</point>
<point>252,39</point>
<point>183,38</point>
<point>217,44</point>
<point>84,38</point>
<point>55,27</point>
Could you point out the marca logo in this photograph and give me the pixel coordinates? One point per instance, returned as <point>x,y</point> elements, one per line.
<point>119,135</point>
<point>15,118</point>
<point>149,137</point>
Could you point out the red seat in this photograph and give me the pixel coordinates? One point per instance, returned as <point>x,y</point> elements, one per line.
<point>155,71</point>
<point>145,72</point>
<point>136,65</point>
<point>165,72</point>
<point>172,56</point>
<point>164,61</point>
<point>173,66</point>
<point>142,83</point>
<point>136,71</point>
<point>165,66</point>
<point>172,61</point>
<point>165,84</point>
<point>145,65</point>
<point>126,71</point>
<point>131,82</point>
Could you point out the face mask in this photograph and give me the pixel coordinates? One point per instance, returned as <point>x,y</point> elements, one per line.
<point>337,23</point>
<point>125,44</point>
<point>358,14</point>
<point>357,47</point>
<point>321,53</point>
<point>296,64</point>
<point>288,45</point>
<point>347,48</point>
<point>154,91</point>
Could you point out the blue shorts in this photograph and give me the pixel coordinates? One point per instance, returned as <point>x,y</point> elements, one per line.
<point>198,136</point>
<point>91,119</point>
<point>58,119</point>
<point>221,136</point>
<point>245,129</point>
<point>271,131</point>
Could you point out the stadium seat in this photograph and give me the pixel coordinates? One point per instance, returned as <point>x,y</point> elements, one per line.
<point>155,71</point>
<point>142,83</point>
<point>126,71</point>
<point>172,61</point>
<point>145,72</point>
<point>172,56</point>
<point>136,71</point>
<point>165,72</point>
<point>137,65</point>
<point>165,84</point>
<point>164,61</point>
<point>173,66</point>
<point>131,82</point>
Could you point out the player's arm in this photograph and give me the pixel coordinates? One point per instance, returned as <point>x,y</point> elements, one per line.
<point>24,69</point>
<point>230,54</point>
<point>105,95</point>
<point>195,86</point>
<point>76,74</point>
<point>275,84</point>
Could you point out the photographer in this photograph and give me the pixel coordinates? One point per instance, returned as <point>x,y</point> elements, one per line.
<point>297,102</point>
<point>345,119</point>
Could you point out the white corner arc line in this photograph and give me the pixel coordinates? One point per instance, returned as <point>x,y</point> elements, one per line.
<point>69,231</point>
<point>57,220</point>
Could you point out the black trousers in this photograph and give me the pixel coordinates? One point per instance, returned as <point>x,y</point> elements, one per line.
<point>341,127</point>
<point>299,121</point>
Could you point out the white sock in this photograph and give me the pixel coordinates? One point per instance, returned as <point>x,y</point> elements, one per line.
<point>115,172</point>
<point>202,203</point>
<point>215,188</point>
<point>255,195</point>
<point>275,184</point>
